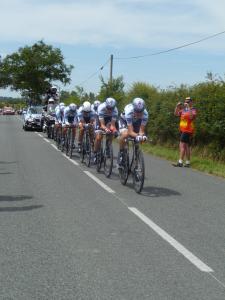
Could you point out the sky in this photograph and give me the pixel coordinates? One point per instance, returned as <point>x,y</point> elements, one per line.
<point>89,31</point>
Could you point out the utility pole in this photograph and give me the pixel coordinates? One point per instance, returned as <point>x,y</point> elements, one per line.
<point>111,68</point>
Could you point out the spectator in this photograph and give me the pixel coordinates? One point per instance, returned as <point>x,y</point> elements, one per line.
<point>187,114</point>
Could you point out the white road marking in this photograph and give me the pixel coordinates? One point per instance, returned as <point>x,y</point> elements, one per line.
<point>180,248</point>
<point>69,159</point>
<point>39,134</point>
<point>98,181</point>
<point>54,146</point>
<point>46,140</point>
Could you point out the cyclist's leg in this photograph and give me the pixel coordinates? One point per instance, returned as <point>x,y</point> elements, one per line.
<point>80,135</point>
<point>122,142</point>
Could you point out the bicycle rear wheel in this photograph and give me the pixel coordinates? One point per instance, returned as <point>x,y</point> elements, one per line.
<point>139,172</point>
<point>108,159</point>
<point>124,168</point>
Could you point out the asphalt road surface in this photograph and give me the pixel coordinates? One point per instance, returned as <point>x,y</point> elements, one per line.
<point>67,232</point>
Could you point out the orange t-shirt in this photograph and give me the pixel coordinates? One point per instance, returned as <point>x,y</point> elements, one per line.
<point>186,122</point>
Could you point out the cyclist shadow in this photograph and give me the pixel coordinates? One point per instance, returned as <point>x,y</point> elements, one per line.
<point>154,192</point>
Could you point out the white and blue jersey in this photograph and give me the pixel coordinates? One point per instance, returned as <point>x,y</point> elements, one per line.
<point>70,116</point>
<point>59,115</point>
<point>107,115</point>
<point>135,119</point>
<point>86,117</point>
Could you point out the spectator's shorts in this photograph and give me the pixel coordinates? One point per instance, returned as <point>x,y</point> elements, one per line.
<point>186,138</point>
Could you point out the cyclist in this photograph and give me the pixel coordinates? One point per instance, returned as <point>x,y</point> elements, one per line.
<point>59,116</point>
<point>86,115</point>
<point>70,118</point>
<point>107,114</point>
<point>49,115</point>
<point>95,105</point>
<point>52,92</point>
<point>136,117</point>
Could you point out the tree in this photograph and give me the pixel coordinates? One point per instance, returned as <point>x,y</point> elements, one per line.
<point>112,89</point>
<point>33,69</point>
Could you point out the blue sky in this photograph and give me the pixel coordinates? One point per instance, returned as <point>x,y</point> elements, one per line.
<point>89,31</point>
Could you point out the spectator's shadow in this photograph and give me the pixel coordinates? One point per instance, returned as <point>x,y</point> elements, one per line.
<point>8,162</point>
<point>5,173</point>
<point>22,208</point>
<point>15,198</point>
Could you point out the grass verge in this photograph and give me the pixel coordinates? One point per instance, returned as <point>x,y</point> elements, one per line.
<point>206,165</point>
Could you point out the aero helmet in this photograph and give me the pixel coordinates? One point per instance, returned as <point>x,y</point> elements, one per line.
<point>86,106</point>
<point>72,106</point>
<point>110,102</point>
<point>96,104</point>
<point>138,104</point>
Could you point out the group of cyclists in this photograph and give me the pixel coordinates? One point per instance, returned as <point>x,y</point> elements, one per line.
<point>99,118</point>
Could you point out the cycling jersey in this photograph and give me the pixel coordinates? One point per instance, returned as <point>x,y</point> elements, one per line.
<point>59,115</point>
<point>107,115</point>
<point>132,119</point>
<point>70,116</point>
<point>87,117</point>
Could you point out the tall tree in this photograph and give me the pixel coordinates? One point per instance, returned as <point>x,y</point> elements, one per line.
<point>32,70</point>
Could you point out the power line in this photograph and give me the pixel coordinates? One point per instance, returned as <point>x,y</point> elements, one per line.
<point>92,75</point>
<point>172,49</point>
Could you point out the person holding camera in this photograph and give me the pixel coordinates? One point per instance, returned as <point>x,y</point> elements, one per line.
<point>187,114</point>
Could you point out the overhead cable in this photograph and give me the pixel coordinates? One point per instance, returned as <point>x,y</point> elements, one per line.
<point>92,75</point>
<point>172,49</point>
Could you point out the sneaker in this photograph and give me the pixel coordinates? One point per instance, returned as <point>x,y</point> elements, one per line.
<point>120,159</point>
<point>187,165</point>
<point>95,158</point>
<point>178,164</point>
<point>79,148</point>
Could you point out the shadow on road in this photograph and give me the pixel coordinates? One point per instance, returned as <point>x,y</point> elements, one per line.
<point>8,162</point>
<point>22,208</point>
<point>152,191</point>
<point>5,173</point>
<point>14,198</point>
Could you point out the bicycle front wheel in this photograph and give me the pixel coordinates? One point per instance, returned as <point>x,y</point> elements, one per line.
<point>108,159</point>
<point>72,139</point>
<point>139,172</point>
<point>88,150</point>
<point>124,168</point>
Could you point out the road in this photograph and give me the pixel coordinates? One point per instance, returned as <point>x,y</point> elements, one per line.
<point>67,232</point>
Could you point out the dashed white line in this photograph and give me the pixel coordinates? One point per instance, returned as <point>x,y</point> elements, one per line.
<point>98,181</point>
<point>46,140</point>
<point>180,248</point>
<point>162,233</point>
<point>54,146</point>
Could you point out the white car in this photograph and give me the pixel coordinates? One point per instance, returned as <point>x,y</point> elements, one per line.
<point>33,118</point>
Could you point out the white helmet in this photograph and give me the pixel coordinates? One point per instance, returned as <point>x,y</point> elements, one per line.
<point>53,88</point>
<point>87,106</point>
<point>110,102</point>
<point>61,108</point>
<point>51,101</point>
<point>138,104</point>
<point>62,104</point>
<point>73,106</point>
<point>96,104</point>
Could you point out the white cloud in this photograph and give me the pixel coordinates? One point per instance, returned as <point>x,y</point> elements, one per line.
<point>120,23</point>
